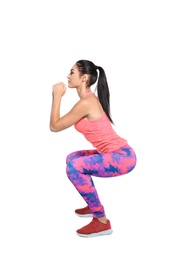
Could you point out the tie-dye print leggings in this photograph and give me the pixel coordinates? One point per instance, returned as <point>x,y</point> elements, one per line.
<point>81,165</point>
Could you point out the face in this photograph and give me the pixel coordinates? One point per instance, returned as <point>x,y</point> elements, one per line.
<point>74,78</point>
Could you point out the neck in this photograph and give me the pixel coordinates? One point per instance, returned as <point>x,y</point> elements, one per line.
<point>83,93</point>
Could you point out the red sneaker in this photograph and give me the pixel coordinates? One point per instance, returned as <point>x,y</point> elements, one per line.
<point>95,228</point>
<point>84,212</point>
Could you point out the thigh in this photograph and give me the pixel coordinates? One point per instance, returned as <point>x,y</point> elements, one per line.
<point>80,153</point>
<point>108,164</point>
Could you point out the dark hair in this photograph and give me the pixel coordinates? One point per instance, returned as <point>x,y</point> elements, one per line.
<point>88,67</point>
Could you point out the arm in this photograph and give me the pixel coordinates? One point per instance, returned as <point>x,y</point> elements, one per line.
<point>79,110</point>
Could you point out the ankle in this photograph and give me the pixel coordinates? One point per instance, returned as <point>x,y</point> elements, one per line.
<point>103,220</point>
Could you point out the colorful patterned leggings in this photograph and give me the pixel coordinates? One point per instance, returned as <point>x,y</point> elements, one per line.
<point>81,165</point>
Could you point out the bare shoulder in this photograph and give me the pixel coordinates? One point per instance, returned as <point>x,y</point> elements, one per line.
<point>94,108</point>
<point>82,104</point>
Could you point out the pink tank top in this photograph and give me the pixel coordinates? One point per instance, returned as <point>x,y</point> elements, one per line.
<point>100,134</point>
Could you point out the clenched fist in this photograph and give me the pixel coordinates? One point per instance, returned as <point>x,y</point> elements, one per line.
<point>59,89</point>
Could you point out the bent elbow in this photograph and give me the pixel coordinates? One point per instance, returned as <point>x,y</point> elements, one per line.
<point>52,129</point>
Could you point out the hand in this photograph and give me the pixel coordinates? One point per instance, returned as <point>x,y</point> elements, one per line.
<point>59,89</point>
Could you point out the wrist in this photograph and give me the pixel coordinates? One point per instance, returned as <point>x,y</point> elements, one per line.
<point>57,96</point>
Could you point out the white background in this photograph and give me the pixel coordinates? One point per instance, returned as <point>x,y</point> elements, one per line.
<point>39,43</point>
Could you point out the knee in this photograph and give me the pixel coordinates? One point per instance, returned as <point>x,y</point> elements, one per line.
<point>72,172</point>
<point>69,170</point>
<point>68,158</point>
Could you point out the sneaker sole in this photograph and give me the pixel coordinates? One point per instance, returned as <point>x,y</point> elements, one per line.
<point>105,232</point>
<point>84,215</point>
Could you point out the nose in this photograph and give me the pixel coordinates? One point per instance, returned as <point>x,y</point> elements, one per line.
<point>68,76</point>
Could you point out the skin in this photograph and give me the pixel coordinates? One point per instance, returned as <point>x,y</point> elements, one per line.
<point>87,107</point>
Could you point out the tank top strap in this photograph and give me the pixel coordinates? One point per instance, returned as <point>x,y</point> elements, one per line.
<point>87,93</point>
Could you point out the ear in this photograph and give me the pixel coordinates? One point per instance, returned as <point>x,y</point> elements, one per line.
<point>85,78</point>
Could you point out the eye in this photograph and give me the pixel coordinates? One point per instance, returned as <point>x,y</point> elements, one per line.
<point>71,72</point>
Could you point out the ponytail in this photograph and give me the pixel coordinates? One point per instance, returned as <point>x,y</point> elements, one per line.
<point>103,92</point>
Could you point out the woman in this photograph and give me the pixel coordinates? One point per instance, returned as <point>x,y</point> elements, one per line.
<point>111,156</point>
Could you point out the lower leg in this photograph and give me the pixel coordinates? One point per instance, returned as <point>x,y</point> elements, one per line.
<point>85,186</point>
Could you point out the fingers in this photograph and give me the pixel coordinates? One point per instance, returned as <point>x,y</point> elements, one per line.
<point>59,85</point>
<point>59,88</point>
